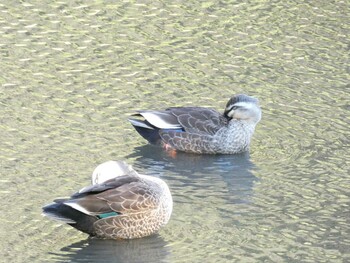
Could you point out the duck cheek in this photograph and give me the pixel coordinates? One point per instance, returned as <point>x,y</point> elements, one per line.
<point>237,115</point>
<point>231,114</point>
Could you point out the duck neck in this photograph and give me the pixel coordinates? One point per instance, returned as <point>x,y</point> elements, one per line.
<point>248,126</point>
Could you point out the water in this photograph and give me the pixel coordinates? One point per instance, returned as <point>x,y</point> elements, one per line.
<point>71,74</point>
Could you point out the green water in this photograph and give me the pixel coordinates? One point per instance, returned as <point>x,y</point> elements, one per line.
<point>72,72</point>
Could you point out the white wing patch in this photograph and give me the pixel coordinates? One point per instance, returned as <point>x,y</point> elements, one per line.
<point>78,207</point>
<point>157,121</point>
<point>140,124</point>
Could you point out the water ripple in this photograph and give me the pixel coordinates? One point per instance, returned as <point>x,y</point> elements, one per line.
<point>73,72</point>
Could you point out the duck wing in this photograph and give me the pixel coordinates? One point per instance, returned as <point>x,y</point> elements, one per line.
<point>122,194</point>
<point>199,120</point>
<point>156,119</point>
<point>134,197</point>
<point>198,124</point>
<point>190,119</point>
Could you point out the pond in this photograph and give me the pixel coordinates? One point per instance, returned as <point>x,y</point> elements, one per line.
<point>72,72</point>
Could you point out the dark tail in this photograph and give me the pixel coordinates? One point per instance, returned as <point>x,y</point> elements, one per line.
<point>61,212</point>
<point>146,130</point>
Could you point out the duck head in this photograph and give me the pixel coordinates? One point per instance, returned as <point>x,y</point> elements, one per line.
<point>109,170</point>
<point>243,107</point>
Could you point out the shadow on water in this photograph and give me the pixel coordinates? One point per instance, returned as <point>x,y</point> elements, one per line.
<point>234,170</point>
<point>149,249</point>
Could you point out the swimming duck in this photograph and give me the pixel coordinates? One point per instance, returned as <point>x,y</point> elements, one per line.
<point>120,204</point>
<point>202,130</point>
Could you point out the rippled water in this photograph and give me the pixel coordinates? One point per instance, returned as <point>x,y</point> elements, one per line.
<point>71,73</point>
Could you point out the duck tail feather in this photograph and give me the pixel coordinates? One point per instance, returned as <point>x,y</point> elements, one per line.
<point>151,134</point>
<point>66,214</point>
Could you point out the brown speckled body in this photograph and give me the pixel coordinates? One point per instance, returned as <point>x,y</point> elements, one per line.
<point>234,138</point>
<point>144,217</point>
<point>120,204</point>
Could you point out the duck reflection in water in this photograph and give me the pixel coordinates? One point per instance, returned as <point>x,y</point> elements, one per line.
<point>148,249</point>
<point>199,171</point>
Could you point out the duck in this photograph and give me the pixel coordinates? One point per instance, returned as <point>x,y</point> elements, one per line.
<point>201,130</point>
<point>119,204</point>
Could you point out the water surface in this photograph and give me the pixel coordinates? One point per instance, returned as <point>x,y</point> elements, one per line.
<point>71,74</point>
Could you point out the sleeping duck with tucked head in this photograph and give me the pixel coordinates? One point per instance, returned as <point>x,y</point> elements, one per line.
<point>202,130</point>
<point>120,204</point>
